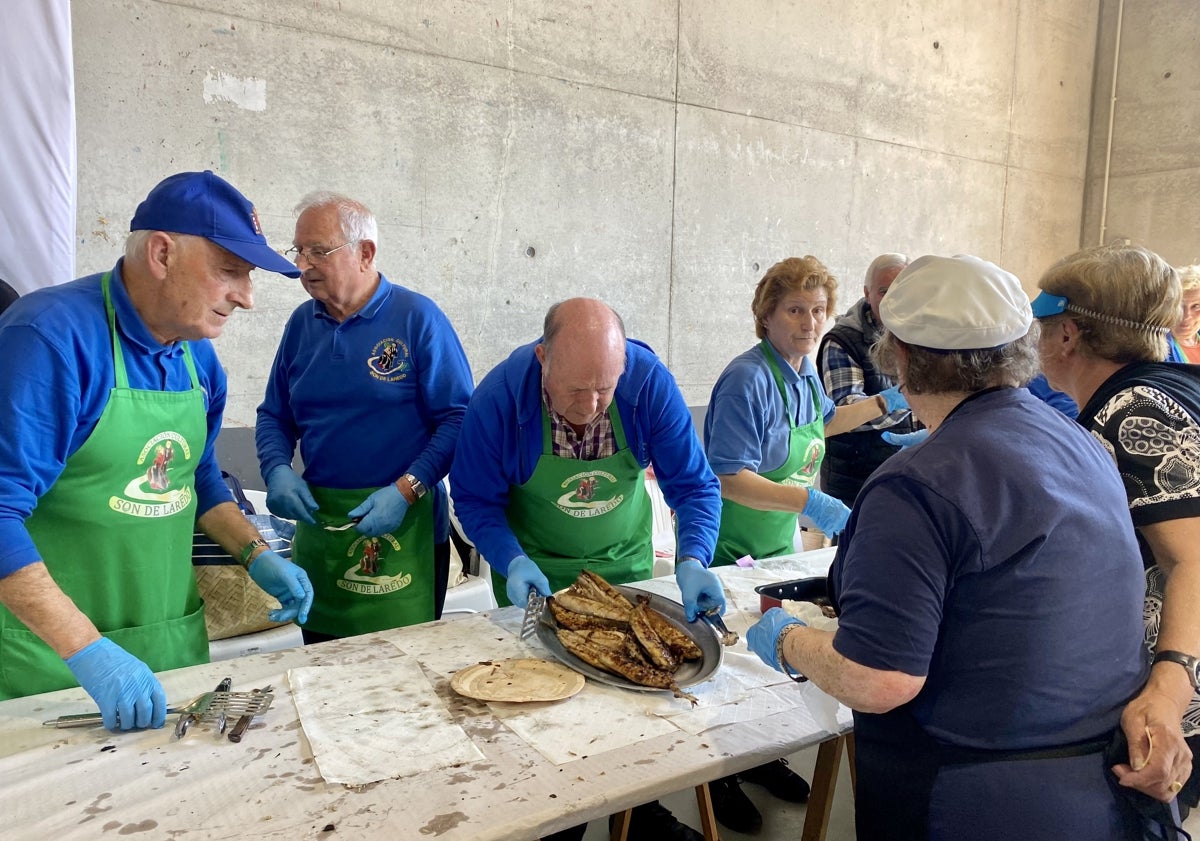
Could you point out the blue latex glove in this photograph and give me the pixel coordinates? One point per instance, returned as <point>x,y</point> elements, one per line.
<point>123,687</point>
<point>381,512</point>
<point>894,399</point>
<point>701,589</point>
<point>763,636</point>
<point>905,439</point>
<point>523,576</point>
<point>829,513</point>
<point>286,582</point>
<point>288,495</point>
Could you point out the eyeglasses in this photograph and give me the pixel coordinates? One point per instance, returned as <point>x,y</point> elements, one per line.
<point>314,255</point>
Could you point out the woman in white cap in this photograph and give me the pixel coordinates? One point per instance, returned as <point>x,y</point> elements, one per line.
<point>1105,315</point>
<point>985,651</point>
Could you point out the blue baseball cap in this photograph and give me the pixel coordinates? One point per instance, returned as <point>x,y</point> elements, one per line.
<point>205,205</point>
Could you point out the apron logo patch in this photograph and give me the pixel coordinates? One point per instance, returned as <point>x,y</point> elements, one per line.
<point>389,361</point>
<point>589,494</point>
<point>154,492</point>
<point>368,554</point>
<point>806,475</point>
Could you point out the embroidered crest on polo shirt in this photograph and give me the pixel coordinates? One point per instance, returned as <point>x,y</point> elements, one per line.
<point>365,576</point>
<point>589,493</point>
<point>153,492</point>
<point>389,360</point>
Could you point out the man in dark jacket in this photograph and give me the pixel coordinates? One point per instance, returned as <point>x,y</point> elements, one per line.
<point>849,375</point>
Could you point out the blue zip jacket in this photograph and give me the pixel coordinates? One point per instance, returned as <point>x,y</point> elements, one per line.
<point>501,442</point>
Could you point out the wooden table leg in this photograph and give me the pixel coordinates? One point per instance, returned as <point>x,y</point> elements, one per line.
<point>708,821</point>
<point>820,800</point>
<point>620,827</point>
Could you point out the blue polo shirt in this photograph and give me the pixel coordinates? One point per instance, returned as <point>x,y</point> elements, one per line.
<point>746,425</point>
<point>368,398</point>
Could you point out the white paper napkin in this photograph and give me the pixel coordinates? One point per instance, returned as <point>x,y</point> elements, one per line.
<point>370,724</point>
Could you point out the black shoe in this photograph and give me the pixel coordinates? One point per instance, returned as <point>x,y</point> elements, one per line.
<point>733,808</point>
<point>780,780</point>
<point>654,822</point>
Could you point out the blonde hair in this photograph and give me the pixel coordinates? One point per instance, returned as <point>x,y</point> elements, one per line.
<point>790,275</point>
<point>1189,277</point>
<point>1124,298</point>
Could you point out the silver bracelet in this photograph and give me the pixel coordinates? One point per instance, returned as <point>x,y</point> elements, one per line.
<point>783,663</point>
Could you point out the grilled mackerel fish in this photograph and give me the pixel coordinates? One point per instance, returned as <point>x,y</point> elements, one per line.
<point>580,622</point>
<point>681,645</point>
<point>591,607</point>
<point>605,592</point>
<point>620,663</point>
<point>656,648</point>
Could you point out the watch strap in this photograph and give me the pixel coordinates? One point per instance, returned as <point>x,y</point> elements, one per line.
<point>1189,662</point>
<point>249,548</point>
<point>419,489</point>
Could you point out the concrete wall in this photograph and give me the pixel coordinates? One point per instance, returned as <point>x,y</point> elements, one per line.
<point>661,154</point>
<point>1154,177</point>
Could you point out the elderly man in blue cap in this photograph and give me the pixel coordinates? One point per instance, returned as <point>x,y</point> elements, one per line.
<point>112,401</point>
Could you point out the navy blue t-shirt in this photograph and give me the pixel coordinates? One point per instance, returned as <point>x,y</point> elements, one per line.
<point>998,559</point>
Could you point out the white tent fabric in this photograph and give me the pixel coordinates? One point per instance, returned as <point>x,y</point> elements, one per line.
<point>37,145</point>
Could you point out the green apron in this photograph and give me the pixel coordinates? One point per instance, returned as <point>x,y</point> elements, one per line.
<point>573,514</point>
<point>766,534</point>
<point>366,584</point>
<point>115,533</point>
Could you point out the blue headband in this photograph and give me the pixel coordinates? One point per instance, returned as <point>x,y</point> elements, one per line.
<point>1046,305</point>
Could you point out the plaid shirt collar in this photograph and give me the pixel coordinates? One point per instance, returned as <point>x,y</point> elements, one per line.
<point>595,442</point>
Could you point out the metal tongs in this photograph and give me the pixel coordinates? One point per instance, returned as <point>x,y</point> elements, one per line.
<point>534,608</point>
<point>713,617</point>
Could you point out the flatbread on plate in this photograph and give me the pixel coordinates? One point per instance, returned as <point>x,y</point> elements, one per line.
<point>526,679</point>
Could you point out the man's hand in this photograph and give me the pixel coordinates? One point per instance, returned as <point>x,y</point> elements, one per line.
<point>700,588</point>
<point>286,582</point>
<point>288,495</point>
<point>381,512</point>
<point>123,687</point>
<point>829,513</point>
<point>1159,758</point>
<point>525,575</point>
<point>763,636</point>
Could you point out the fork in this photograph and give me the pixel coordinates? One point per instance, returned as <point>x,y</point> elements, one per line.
<point>534,607</point>
<point>204,706</point>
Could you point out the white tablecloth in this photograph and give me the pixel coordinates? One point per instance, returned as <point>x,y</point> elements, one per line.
<point>542,767</point>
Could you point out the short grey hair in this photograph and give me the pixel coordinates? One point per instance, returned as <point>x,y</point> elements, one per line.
<point>135,245</point>
<point>932,371</point>
<point>890,260</point>
<point>357,220</point>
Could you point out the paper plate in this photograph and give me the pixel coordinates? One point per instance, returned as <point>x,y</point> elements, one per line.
<point>528,679</point>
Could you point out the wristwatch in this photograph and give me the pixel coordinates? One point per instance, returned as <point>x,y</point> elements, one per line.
<point>249,548</point>
<point>1189,662</point>
<point>418,487</point>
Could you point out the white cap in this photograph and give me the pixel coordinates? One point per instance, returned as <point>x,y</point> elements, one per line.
<point>956,303</point>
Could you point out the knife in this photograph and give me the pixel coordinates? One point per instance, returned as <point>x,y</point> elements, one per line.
<point>235,735</point>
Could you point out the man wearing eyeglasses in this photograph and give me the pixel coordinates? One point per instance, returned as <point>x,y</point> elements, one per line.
<point>371,381</point>
<point>112,398</point>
